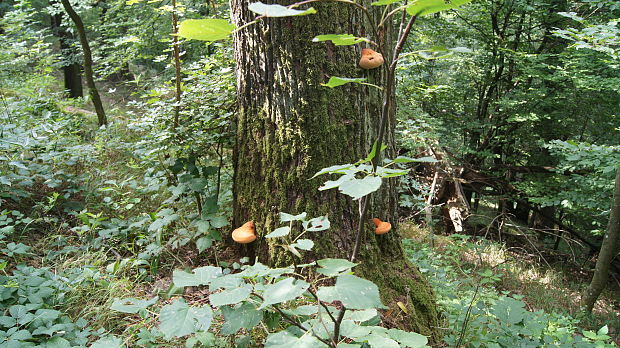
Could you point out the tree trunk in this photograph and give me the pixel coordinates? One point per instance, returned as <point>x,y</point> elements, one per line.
<point>88,63</point>
<point>609,250</point>
<point>289,127</point>
<point>72,71</point>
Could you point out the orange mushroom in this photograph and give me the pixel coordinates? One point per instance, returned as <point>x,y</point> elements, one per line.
<point>245,234</point>
<point>370,59</point>
<point>382,226</point>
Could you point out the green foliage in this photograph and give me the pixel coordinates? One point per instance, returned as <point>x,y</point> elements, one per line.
<point>426,7</point>
<point>479,316</point>
<point>339,40</point>
<point>29,299</point>
<point>205,29</point>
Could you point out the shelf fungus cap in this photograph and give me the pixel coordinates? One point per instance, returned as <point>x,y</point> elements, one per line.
<point>370,59</point>
<point>382,226</point>
<point>245,234</point>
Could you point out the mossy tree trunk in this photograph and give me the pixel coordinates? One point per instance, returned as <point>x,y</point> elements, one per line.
<point>289,127</point>
<point>609,250</point>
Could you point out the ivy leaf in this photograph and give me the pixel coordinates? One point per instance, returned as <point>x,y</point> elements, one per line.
<point>354,292</point>
<point>275,10</point>
<point>178,319</point>
<point>340,39</point>
<point>333,267</point>
<point>282,291</point>
<point>205,29</point>
<point>279,232</point>
<point>426,7</point>
<point>335,81</point>
<point>132,305</point>
<point>199,276</point>
<point>303,244</point>
<point>358,188</point>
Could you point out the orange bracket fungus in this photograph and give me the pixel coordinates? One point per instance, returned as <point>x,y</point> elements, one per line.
<point>382,226</point>
<point>370,59</point>
<point>245,234</point>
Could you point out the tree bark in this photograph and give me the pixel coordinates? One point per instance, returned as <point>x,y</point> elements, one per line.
<point>289,127</point>
<point>88,63</point>
<point>72,71</point>
<point>609,250</point>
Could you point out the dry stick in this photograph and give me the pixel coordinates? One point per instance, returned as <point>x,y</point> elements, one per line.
<point>88,63</point>
<point>176,52</point>
<point>385,114</point>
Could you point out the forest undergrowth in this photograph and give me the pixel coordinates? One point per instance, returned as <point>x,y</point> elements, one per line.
<point>91,217</point>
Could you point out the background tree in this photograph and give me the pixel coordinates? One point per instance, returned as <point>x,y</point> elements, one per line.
<point>88,62</point>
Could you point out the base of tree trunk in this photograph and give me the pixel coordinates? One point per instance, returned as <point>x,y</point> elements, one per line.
<point>400,281</point>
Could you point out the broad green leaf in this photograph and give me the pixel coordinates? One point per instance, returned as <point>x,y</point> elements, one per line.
<point>377,341</point>
<point>218,221</point>
<point>230,296</point>
<point>59,342</point>
<point>383,2</point>
<point>353,330</point>
<point>405,159</point>
<point>390,173</point>
<point>302,310</point>
<point>205,29</point>
<point>275,10</point>
<point>354,292</point>
<point>286,339</point>
<point>316,224</point>
<point>340,39</point>
<point>409,339</point>
<point>132,305</point>
<point>244,316</point>
<point>509,310</point>
<point>200,276</point>
<point>279,232</point>
<point>339,169</point>
<point>109,341</point>
<point>358,188</point>
<point>203,243</point>
<point>362,315</point>
<point>282,291</point>
<point>426,7</point>
<point>330,184</point>
<point>226,282</point>
<point>178,319</point>
<point>333,267</point>
<point>335,81</point>
<point>304,244</point>
<point>284,217</point>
